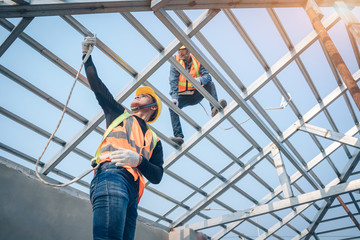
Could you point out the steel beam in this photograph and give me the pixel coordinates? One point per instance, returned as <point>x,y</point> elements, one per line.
<point>40,131</point>
<point>14,34</point>
<point>289,57</point>
<point>45,52</point>
<point>331,135</point>
<point>46,97</point>
<point>281,171</point>
<point>157,4</point>
<point>279,205</point>
<point>195,83</point>
<point>73,7</point>
<point>100,45</point>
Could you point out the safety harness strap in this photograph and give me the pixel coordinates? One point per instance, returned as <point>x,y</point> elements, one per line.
<point>185,83</point>
<point>154,136</point>
<point>117,121</point>
<point>196,67</point>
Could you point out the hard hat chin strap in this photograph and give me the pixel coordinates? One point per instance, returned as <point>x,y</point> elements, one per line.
<point>145,106</point>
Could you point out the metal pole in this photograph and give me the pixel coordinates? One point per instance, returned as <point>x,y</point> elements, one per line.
<point>334,55</point>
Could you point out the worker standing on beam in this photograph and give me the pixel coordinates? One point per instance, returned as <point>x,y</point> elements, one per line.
<point>183,94</point>
<point>129,151</point>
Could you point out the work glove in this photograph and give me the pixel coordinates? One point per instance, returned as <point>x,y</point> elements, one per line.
<point>198,79</point>
<point>176,102</point>
<point>88,41</point>
<point>125,157</point>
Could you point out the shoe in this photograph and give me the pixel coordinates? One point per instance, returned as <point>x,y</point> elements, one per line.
<point>222,103</point>
<point>177,140</point>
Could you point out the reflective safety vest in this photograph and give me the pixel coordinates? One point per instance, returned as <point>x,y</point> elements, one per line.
<point>128,136</point>
<point>185,85</point>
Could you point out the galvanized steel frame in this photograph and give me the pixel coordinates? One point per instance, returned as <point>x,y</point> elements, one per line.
<point>279,140</point>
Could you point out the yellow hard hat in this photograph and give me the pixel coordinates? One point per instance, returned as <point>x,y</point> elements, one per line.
<point>182,47</point>
<point>150,91</point>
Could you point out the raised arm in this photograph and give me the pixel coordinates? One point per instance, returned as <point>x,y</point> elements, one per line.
<point>110,106</point>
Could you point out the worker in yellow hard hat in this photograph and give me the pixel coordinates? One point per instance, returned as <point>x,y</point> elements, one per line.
<point>184,94</point>
<point>155,104</point>
<point>129,151</point>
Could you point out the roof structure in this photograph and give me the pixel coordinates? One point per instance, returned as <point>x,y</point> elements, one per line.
<point>279,162</point>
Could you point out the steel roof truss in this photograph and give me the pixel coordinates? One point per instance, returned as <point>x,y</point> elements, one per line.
<point>346,172</point>
<point>279,205</point>
<point>307,232</point>
<point>287,133</point>
<point>314,162</point>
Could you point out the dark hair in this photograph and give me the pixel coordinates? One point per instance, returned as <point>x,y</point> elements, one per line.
<point>155,113</point>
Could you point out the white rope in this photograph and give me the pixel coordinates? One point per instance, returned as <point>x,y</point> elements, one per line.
<point>283,104</point>
<point>57,127</point>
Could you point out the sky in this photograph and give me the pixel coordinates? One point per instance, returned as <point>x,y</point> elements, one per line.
<point>55,35</point>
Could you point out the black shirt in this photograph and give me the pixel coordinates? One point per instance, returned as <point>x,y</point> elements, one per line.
<point>151,168</point>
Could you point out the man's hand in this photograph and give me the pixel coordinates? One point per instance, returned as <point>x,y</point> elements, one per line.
<point>198,79</point>
<point>124,157</point>
<point>176,102</point>
<point>88,41</point>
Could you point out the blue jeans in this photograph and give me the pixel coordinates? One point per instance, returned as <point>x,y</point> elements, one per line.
<point>114,198</point>
<point>187,100</point>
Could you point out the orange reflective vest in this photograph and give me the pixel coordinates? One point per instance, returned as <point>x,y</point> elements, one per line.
<point>129,136</point>
<point>185,85</point>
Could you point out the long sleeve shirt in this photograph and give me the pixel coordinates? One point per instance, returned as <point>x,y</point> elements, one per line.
<point>174,78</point>
<point>151,168</point>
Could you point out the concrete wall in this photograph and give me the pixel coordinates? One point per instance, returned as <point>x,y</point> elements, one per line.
<point>31,210</point>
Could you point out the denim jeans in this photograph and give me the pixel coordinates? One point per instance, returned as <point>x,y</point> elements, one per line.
<point>187,100</point>
<point>114,198</point>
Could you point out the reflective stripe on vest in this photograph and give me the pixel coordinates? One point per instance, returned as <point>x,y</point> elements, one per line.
<point>183,83</point>
<point>128,136</point>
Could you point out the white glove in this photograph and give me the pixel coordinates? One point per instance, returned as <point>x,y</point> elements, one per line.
<point>88,41</point>
<point>198,79</point>
<point>124,157</point>
<point>175,101</point>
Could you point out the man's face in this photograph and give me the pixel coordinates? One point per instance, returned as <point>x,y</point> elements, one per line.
<point>141,100</point>
<point>183,54</point>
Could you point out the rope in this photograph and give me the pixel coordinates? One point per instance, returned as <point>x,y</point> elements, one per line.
<point>211,117</point>
<point>283,104</point>
<point>57,127</point>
